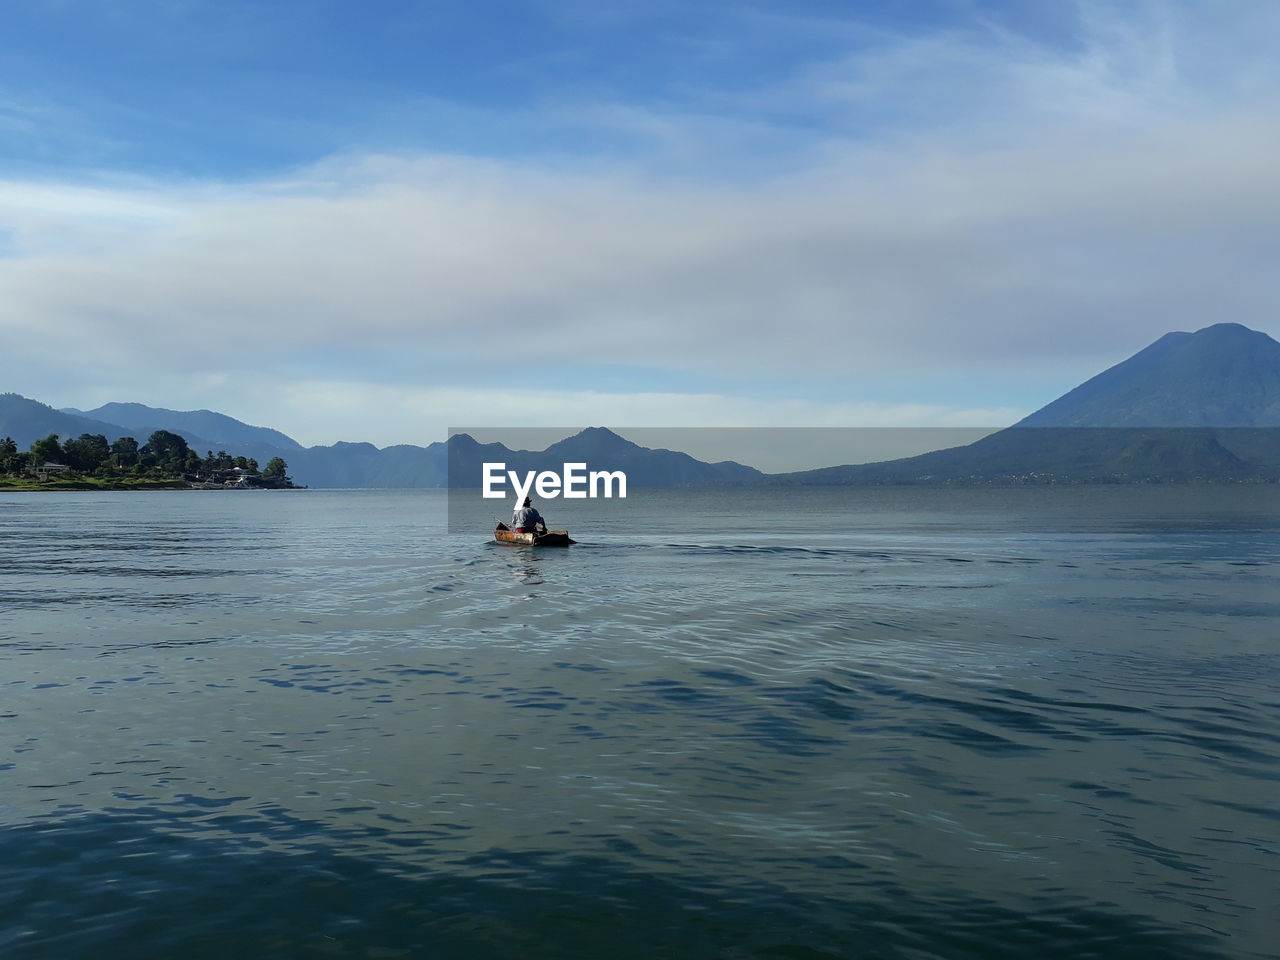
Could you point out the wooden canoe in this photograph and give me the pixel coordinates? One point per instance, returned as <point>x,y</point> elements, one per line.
<point>552,538</point>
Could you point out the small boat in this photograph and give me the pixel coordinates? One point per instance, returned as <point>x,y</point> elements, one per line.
<point>552,538</point>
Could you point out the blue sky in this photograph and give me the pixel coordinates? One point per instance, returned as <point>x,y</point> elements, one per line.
<point>337,218</point>
<point>235,89</point>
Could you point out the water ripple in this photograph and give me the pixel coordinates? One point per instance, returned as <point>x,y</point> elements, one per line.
<point>925,739</point>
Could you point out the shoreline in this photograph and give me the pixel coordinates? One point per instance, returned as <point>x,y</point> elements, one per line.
<point>83,485</point>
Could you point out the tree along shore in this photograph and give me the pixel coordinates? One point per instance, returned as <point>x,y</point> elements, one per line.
<point>164,462</point>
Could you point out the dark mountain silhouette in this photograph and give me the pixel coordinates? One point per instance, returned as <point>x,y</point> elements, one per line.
<point>27,421</point>
<point>362,464</point>
<point>1225,375</point>
<point>339,465</point>
<point>1201,406</point>
<point>216,428</point>
<point>1191,406</point>
<point>600,449</point>
<point>459,462</point>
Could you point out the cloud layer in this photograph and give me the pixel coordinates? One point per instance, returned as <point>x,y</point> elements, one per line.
<point>965,204</point>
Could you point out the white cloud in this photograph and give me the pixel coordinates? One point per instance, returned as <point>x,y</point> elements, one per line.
<point>1026,209</point>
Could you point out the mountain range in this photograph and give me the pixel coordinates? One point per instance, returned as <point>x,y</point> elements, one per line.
<point>1191,406</point>
<point>217,429</point>
<point>456,461</point>
<point>1225,375</point>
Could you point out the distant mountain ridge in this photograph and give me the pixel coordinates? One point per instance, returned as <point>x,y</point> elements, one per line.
<point>215,428</point>
<point>1201,406</point>
<point>1225,375</point>
<point>1190,406</point>
<point>27,421</point>
<point>601,449</point>
<point>344,464</point>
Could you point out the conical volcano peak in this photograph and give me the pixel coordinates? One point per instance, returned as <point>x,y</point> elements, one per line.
<point>601,434</point>
<point>1228,328</point>
<point>1224,375</point>
<point>597,440</point>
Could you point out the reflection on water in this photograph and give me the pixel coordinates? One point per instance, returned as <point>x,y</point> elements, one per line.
<point>525,565</point>
<point>966,724</point>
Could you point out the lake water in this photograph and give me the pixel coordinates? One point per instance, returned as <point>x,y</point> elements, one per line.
<point>784,724</point>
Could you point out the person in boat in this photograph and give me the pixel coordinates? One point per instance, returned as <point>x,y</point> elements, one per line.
<point>527,520</point>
